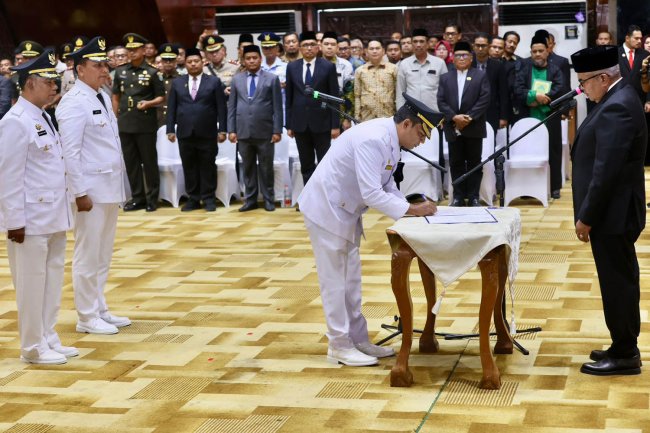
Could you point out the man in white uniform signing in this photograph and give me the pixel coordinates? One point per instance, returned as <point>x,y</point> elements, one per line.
<point>35,211</point>
<point>355,174</point>
<point>93,159</point>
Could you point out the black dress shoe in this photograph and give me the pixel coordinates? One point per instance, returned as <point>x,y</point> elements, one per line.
<point>555,194</point>
<point>457,202</point>
<point>191,205</point>
<point>597,355</point>
<point>131,206</point>
<point>210,205</point>
<point>248,206</point>
<point>613,366</point>
<point>151,207</point>
<point>269,206</point>
<point>474,202</point>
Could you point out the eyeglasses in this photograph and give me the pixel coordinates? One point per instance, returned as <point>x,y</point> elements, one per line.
<point>582,82</point>
<point>451,33</point>
<point>462,56</point>
<point>344,48</point>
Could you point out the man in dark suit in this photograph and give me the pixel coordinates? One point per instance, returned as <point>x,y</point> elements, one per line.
<point>197,107</point>
<point>463,97</point>
<point>630,58</point>
<point>313,126</point>
<point>499,108</point>
<point>532,101</point>
<point>609,200</point>
<point>255,122</point>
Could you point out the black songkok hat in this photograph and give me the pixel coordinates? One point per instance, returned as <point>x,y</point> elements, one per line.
<point>191,51</point>
<point>307,36</point>
<point>428,117</point>
<point>462,46</point>
<point>420,32</point>
<point>330,35</point>
<point>94,50</point>
<point>539,39</point>
<point>595,58</point>
<point>251,49</point>
<point>245,37</point>
<point>543,33</point>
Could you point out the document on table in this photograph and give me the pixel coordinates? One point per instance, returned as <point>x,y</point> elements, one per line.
<point>461,215</point>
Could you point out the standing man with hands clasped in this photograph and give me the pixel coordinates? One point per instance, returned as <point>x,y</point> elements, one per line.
<point>255,123</point>
<point>93,159</point>
<point>35,210</point>
<point>357,173</point>
<point>609,200</point>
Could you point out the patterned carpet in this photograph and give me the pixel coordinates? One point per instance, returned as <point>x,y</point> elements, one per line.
<point>228,336</point>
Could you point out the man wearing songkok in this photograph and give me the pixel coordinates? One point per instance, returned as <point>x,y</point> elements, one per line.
<point>255,124</point>
<point>357,173</point>
<point>537,83</point>
<point>463,97</point>
<point>35,210</point>
<point>95,166</point>
<point>609,200</point>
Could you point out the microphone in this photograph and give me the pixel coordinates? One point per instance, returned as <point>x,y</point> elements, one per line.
<point>562,99</point>
<point>323,96</point>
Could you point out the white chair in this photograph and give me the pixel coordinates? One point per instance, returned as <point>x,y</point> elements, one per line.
<point>419,176</point>
<point>488,190</point>
<point>501,138</point>
<point>527,171</point>
<point>566,152</point>
<point>281,173</point>
<point>227,184</point>
<point>172,180</point>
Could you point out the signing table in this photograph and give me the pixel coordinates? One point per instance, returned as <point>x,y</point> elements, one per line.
<point>446,250</point>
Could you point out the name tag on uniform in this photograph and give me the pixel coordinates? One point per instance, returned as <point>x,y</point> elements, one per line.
<point>415,70</point>
<point>431,71</point>
<point>42,132</point>
<point>338,74</point>
<point>97,111</point>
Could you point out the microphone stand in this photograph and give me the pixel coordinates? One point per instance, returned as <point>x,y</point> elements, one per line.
<point>499,159</point>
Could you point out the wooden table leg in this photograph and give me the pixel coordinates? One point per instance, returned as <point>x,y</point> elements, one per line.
<point>428,342</point>
<point>504,339</point>
<point>400,374</point>
<point>489,266</point>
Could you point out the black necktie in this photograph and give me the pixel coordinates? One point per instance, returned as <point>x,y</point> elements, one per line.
<point>308,77</point>
<point>101,99</point>
<point>48,123</point>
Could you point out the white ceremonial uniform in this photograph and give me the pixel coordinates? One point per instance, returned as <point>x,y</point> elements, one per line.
<point>33,195</point>
<point>356,173</point>
<point>93,158</point>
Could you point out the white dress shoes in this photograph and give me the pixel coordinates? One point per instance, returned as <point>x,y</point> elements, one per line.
<point>373,350</point>
<point>47,357</point>
<point>351,357</point>
<point>117,321</point>
<point>67,351</point>
<point>96,326</point>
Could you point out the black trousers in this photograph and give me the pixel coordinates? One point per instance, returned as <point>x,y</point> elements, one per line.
<point>554,127</point>
<point>139,151</point>
<point>465,154</point>
<point>257,160</point>
<point>310,145</point>
<point>200,170</point>
<point>618,275</point>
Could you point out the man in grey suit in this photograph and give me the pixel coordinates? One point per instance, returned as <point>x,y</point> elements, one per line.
<point>255,121</point>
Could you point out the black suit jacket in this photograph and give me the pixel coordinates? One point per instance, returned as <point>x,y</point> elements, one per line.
<point>499,107</point>
<point>303,111</point>
<point>523,82</point>
<point>633,76</point>
<point>474,102</point>
<point>563,65</point>
<point>608,153</point>
<point>203,117</point>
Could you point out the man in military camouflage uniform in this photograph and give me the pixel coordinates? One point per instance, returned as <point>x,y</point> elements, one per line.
<point>137,90</point>
<point>215,52</point>
<point>169,55</point>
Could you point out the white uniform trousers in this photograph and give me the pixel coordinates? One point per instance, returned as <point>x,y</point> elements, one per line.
<point>94,234</point>
<point>338,264</point>
<point>37,273</point>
